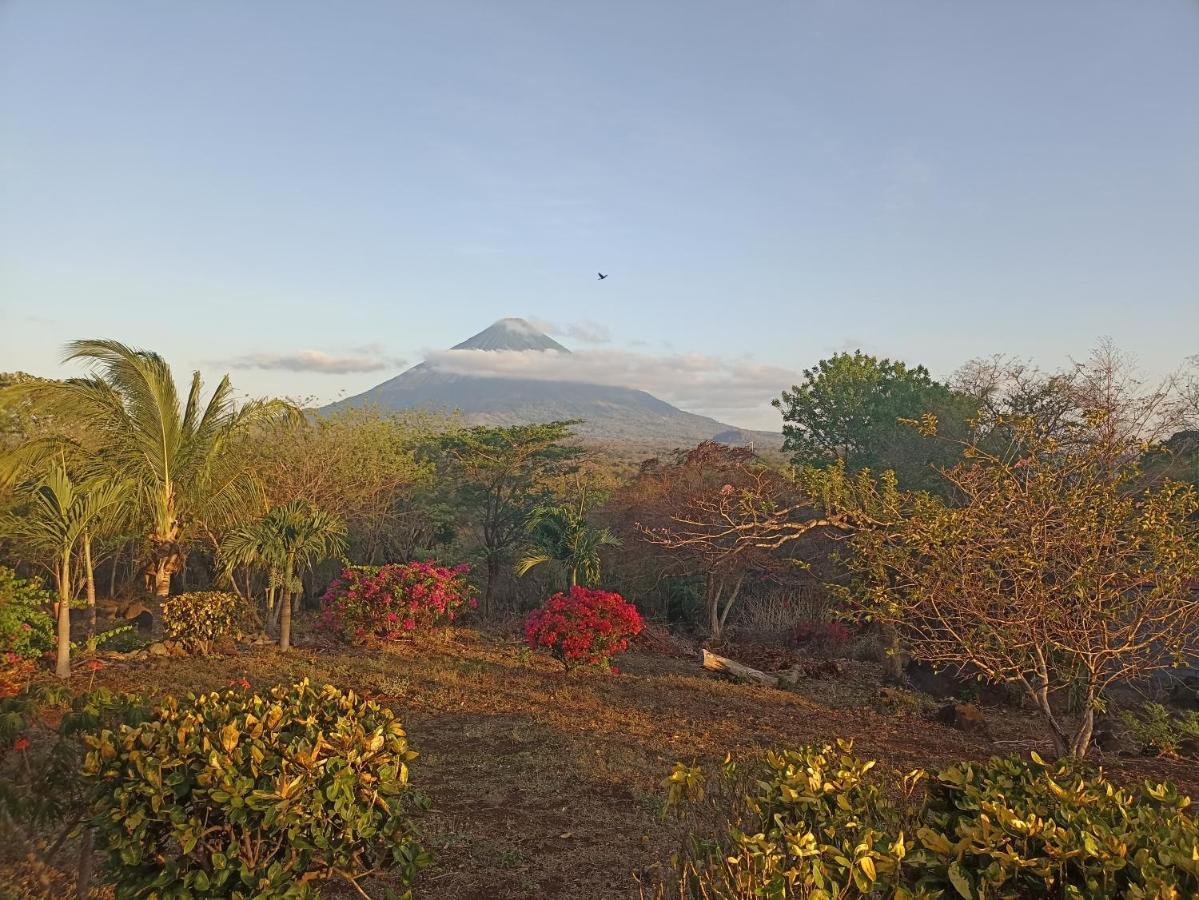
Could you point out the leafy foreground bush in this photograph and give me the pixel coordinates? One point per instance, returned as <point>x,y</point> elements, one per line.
<point>201,617</point>
<point>813,823</point>
<point>388,602</point>
<point>243,795</point>
<point>26,628</point>
<point>586,627</point>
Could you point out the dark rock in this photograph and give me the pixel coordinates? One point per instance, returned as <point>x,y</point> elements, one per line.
<point>137,613</point>
<point>1185,693</point>
<point>1105,738</point>
<point>964,717</point>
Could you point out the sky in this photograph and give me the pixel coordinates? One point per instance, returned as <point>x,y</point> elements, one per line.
<point>313,195</point>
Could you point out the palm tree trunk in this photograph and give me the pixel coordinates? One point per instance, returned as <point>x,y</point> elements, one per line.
<point>162,577</point>
<point>89,574</point>
<point>62,666</point>
<point>285,607</point>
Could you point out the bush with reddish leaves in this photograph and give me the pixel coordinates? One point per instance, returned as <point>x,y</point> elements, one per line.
<point>830,635</point>
<point>392,601</point>
<point>586,627</point>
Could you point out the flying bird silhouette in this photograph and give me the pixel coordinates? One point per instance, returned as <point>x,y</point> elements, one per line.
<point>601,275</point>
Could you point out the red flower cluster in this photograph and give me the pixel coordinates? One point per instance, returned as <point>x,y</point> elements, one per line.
<point>583,628</point>
<point>387,602</point>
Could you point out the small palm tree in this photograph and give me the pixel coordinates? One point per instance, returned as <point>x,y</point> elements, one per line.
<point>58,517</point>
<point>176,454</point>
<point>287,541</point>
<point>562,534</point>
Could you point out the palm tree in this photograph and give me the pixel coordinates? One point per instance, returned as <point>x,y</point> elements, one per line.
<point>176,454</point>
<point>287,541</point>
<point>563,535</point>
<point>59,516</point>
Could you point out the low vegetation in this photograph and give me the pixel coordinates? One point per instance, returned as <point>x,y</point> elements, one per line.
<point>197,619</point>
<point>819,822</point>
<point>244,794</point>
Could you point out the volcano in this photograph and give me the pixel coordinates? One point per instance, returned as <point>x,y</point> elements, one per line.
<point>609,414</point>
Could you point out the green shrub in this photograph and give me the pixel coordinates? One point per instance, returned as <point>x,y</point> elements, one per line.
<point>1014,827</point>
<point>200,617</point>
<point>800,823</point>
<point>242,795</point>
<point>811,823</point>
<point>26,628</point>
<point>1159,732</point>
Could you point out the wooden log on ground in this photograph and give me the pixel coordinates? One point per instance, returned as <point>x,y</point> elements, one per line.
<point>715,663</point>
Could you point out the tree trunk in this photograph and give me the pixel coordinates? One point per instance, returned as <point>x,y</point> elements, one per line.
<point>285,607</point>
<point>493,574</point>
<point>62,666</point>
<point>89,574</point>
<point>893,662</point>
<point>715,663</point>
<point>1081,742</point>
<point>728,604</point>
<point>715,587</point>
<point>285,621</point>
<point>1040,697</point>
<point>162,577</point>
<point>83,879</point>
<point>112,576</point>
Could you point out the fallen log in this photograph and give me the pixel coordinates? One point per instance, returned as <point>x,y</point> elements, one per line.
<point>715,663</point>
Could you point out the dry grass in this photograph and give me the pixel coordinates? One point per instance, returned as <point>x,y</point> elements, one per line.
<point>544,785</point>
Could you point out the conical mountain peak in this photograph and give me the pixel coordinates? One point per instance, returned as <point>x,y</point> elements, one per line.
<point>511,334</point>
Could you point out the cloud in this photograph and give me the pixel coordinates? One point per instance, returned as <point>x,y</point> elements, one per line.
<point>586,331</point>
<point>369,358</point>
<point>693,381</point>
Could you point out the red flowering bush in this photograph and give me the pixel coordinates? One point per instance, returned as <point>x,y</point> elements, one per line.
<point>586,627</point>
<point>388,602</point>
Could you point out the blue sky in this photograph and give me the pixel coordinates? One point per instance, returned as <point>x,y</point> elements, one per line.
<point>285,187</point>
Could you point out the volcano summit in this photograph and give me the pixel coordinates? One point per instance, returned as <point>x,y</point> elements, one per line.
<point>481,389</point>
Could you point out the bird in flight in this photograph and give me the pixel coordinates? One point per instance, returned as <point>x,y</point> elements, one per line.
<point>601,275</point>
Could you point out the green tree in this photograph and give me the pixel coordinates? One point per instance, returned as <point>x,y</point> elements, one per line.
<point>502,474</point>
<point>287,541</point>
<point>561,534</point>
<point>179,455</point>
<point>850,409</point>
<point>53,522</point>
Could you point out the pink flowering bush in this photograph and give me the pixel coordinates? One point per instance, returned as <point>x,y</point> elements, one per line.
<point>586,627</point>
<point>389,602</point>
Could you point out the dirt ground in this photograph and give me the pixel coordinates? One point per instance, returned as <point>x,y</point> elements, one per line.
<point>544,785</point>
